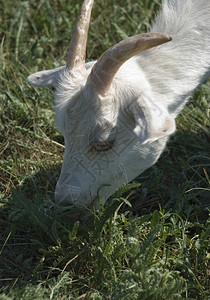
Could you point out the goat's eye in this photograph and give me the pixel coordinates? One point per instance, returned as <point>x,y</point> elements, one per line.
<point>102,146</point>
<point>102,137</point>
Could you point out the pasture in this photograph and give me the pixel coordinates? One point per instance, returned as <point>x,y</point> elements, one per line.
<point>151,240</point>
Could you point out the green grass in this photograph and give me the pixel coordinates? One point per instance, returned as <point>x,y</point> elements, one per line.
<point>151,240</point>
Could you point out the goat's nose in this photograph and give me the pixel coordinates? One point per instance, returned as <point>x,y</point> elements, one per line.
<point>68,190</point>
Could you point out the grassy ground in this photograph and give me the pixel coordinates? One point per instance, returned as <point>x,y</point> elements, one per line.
<point>151,241</point>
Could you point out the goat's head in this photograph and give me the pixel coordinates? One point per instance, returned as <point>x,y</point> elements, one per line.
<point>113,128</point>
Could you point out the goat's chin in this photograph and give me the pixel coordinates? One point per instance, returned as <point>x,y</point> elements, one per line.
<point>82,210</point>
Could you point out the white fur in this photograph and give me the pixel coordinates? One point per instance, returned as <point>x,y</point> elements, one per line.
<point>147,93</point>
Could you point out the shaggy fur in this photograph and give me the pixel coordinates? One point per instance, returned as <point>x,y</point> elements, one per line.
<point>110,140</point>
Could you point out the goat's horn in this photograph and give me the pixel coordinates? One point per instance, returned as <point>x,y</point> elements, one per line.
<point>77,47</point>
<point>109,63</point>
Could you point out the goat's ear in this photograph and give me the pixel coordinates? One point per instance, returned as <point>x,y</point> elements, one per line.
<point>152,120</point>
<point>45,78</point>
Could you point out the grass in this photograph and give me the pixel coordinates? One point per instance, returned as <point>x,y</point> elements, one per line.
<point>151,240</point>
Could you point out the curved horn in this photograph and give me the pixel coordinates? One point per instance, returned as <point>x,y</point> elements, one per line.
<point>77,47</point>
<point>104,70</point>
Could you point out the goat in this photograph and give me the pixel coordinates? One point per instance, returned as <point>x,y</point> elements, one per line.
<point>116,114</point>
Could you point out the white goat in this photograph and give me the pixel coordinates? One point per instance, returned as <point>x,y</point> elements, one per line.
<point>116,114</point>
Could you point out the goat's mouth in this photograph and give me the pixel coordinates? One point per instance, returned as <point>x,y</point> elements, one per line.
<point>80,212</point>
<point>78,205</point>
